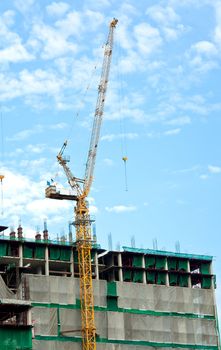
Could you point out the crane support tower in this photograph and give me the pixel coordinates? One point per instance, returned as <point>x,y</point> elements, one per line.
<point>81,189</point>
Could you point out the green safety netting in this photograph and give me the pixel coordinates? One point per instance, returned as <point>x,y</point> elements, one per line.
<point>14,339</point>
<point>183,281</point>
<point>182,265</point>
<point>112,303</point>
<point>138,276</point>
<point>76,257</point>
<point>150,261</point>
<point>173,279</point>
<point>205,268</point>
<point>27,251</point>
<point>127,275</point>
<point>65,254</point>
<point>137,261</point>
<point>111,289</point>
<point>40,252</point>
<point>54,253</point>
<point>161,278</point>
<point>3,248</point>
<point>172,264</point>
<point>160,262</point>
<point>151,277</point>
<point>206,282</point>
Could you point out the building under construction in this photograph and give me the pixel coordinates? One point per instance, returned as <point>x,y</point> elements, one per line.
<point>143,299</point>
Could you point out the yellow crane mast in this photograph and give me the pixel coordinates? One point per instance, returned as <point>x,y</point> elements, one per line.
<point>81,189</point>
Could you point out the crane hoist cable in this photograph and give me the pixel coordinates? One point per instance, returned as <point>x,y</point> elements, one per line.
<point>81,188</point>
<point>122,108</point>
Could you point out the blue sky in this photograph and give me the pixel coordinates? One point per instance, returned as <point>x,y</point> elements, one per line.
<point>162,111</point>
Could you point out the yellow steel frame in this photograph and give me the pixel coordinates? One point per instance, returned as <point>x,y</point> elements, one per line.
<point>84,246</point>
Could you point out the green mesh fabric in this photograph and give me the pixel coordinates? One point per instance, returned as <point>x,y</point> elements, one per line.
<point>182,265</point>
<point>172,264</point>
<point>54,253</point>
<point>40,252</point>
<point>111,289</point>
<point>3,248</point>
<point>127,275</point>
<point>161,278</point>
<point>160,262</point>
<point>14,339</point>
<point>183,281</point>
<point>173,279</point>
<point>150,261</point>
<point>151,277</point>
<point>205,268</point>
<point>137,261</point>
<point>76,257</point>
<point>27,251</point>
<point>65,254</point>
<point>206,282</point>
<point>138,276</point>
<point>112,303</point>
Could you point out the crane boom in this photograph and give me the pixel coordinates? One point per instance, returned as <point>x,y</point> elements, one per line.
<point>102,88</point>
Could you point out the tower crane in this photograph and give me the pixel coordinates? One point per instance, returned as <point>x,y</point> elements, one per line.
<point>81,189</point>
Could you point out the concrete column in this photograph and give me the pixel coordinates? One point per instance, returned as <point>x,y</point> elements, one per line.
<point>119,261</point>
<point>96,266</point>
<point>20,254</point>
<point>189,277</point>
<point>46,262</point>
<point>167,274</point>
<point>72,263</point>
<point>144,272</point>
<point>29,321</point>
<point>212,277</point>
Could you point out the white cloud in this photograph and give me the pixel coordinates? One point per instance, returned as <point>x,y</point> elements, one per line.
<point>12,48</point>
<point>203,56</point>
<point>205,47</point>
<point>24,198</point>
<point>71,25</point>
<point>108,161</point>
<point>24,134</point>
<point>217,32</point>
<point>42,207</point>
<point>98,3</point>
<point>121,208</point>
<point>54,41</point>
<point>39,128</point>
<point>33,166</point>
<point>38,82</point>
<point>37,148</point>
<point>179,121</point>
<point>172,132</point>
<point>147,37</point>
<point>204,176</point>
<point>112,137</point>
<point>163,15</point>
<point>24,6</point>
<point>58,126</point>
<point>167,19</point>
<point>57,8</point>
<point>213,169</point>
<point>15,53</point>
